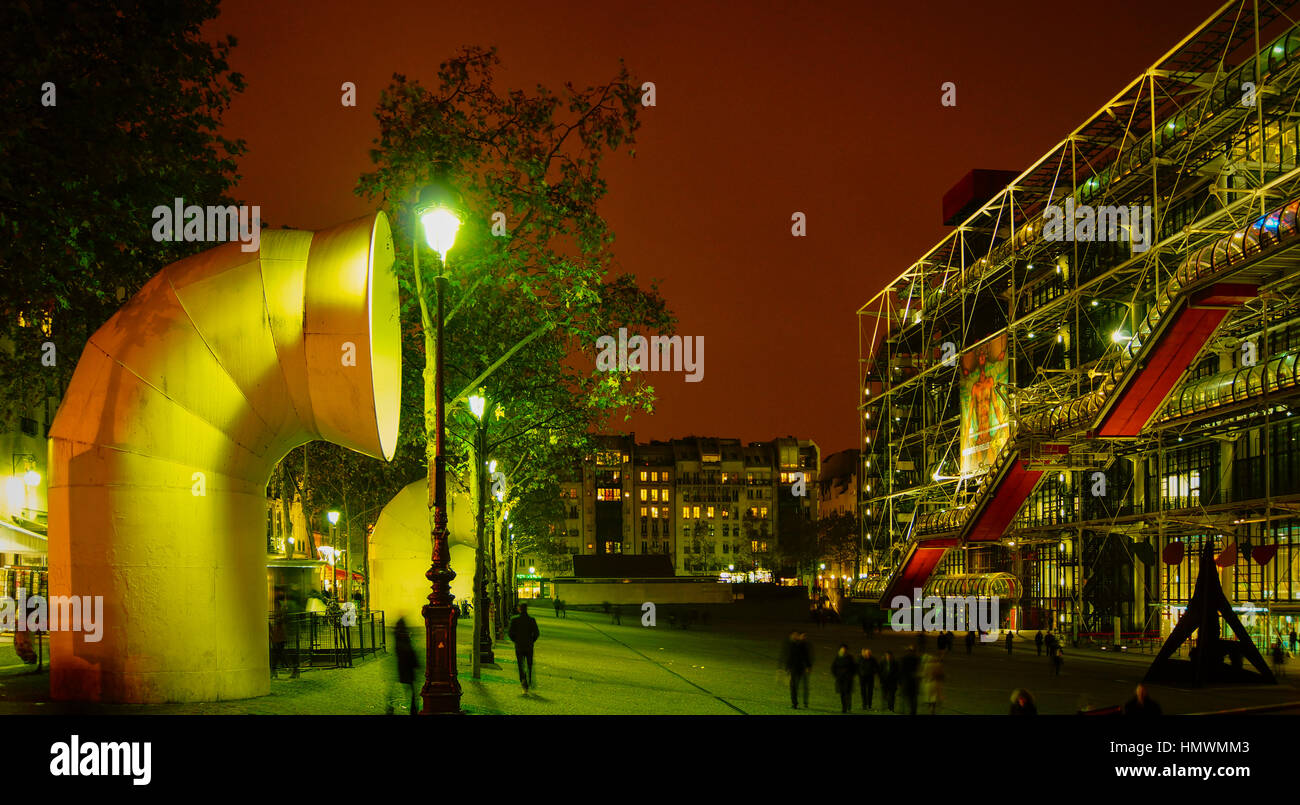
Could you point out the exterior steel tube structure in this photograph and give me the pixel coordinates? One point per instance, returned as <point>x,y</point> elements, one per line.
<point>178,411</point>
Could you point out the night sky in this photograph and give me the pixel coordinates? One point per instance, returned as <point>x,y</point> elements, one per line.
<point>764,109</point>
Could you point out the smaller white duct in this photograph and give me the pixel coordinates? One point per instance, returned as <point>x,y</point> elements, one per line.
<point>401,547</point>
<point>178,411</point>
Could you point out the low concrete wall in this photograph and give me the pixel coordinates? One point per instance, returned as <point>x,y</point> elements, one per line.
<point>588,592</point>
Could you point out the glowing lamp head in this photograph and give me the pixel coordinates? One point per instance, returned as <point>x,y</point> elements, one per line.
<point>440,227</point>
<point>476,406</point>
<point>333,517</point>
<point>438,217</point>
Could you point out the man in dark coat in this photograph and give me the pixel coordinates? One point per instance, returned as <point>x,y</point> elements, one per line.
<point>888,679</point>
<point>867,668</point>
<point>1010,637</point>
<point>524,633</point>
<point>843,668</point>
<point>1038,642</point>
<point>970,641</point>
<point>909,679</point>
<point>797,661</point>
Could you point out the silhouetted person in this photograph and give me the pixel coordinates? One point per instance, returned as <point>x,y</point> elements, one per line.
<point>868,667</point>
<point>797,661</point>
<point>524,633</point>
<point>277,642</point>
<point>1010,637</point>
<point>1058,659</point>
<point>970,641</point>
<point>564,609</point>
<point>1294,643</point>
<point>555,604</point>
<point>1022,703</point>
<point>921,639</point>
<point>405,655</point>
<point>1038,642</point>
<point>1141,704</point>
<point>618,615</point>
<point>843,668</point>
<point>888,679</point>
<point>932,682</point>
<point>909,682</point>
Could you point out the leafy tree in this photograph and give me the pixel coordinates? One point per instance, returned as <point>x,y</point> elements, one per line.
<point>109,110</point>
<point>527,285</point>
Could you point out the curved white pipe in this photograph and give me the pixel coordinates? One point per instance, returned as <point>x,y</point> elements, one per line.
<point>178,411</point>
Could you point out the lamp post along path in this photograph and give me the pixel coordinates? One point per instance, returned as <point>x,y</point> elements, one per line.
<point>441,691</point>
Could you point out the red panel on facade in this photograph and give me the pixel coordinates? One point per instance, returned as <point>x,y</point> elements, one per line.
<point>1147,390</point>
<point>918,569</point>
<point>1226,294</point>
<point>1005,501</point>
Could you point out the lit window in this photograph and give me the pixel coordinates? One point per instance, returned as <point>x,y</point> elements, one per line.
<point>710,512</point>
<point>686,512</point>
<point>654,511</point>
<point>643,474</point>
<point>764,511</point>
<point>665,496</point>
<point>643,510</point>
<point>697,512</point>
<point>654,494</point>
<point>643,494</point>
<point>609,494</point>
<point>654,476</point>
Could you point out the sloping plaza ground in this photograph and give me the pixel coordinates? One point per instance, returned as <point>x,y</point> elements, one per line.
<point>587,665</point>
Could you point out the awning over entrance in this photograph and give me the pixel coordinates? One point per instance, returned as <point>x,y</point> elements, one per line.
<point>16,539</point>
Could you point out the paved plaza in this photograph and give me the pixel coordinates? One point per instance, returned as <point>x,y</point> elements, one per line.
<point>587,665</point>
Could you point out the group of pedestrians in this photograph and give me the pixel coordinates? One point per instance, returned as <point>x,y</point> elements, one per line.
<point>916,678</point>
<point>1055,654</point>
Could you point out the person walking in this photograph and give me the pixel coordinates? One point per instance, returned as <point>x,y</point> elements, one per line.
<point>797,661</point>
<point>564,609</point>
<point>932,682</point>
<point>888,679</point>
<point>909,679</point>
<point>1294,644</point>
<point>1011,636</point>
<point>1058,659</point>
<point>277,642</point>
<point>843,668</point>
<point>970,641</point>
<point>524,633</point>
<point>868,666</point>
<point>1022,703</point>
<point>405,655</point>
<point>1038,642</point>
<point>555,604</point>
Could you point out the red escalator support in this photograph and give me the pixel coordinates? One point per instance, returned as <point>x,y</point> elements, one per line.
<point>917,569</point>
<point>1180,342</point>
<point>1010,493</point>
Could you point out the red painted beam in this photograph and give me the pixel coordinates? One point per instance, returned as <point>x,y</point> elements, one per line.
<point>919,567</point>
<point>992,521</point>
<point>1225,294</point>
<point>1147,390</point>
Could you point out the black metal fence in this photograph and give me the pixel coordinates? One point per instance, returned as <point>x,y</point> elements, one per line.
<point>321,640</point>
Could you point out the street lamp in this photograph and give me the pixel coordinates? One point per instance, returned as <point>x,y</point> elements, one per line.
<point>437,216</point>
<point>483,596</point>
<point>333,518</point>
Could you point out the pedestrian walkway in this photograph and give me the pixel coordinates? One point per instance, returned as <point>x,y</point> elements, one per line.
<point>586,665</point>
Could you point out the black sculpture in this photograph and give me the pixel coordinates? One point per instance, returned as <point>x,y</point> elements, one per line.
<point>1206,663</point>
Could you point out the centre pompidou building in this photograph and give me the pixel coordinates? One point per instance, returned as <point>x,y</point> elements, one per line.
<point>1096,372</point>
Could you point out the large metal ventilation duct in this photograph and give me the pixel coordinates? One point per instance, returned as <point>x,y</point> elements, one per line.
<point>179,409</point>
